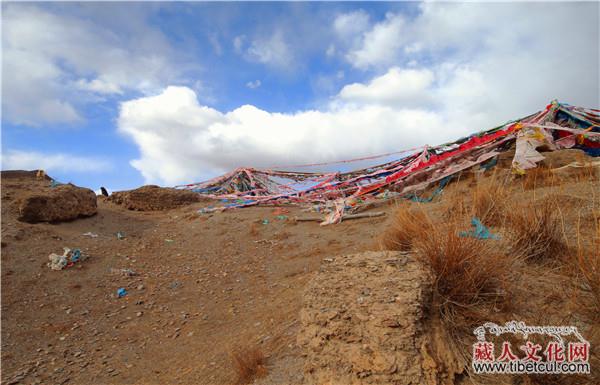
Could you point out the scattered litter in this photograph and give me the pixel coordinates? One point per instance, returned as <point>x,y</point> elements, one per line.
<point>124,272</point>
<point>265,222</point>
<point>121,292</point>
<point>90,234</point>
<point>480,232</point>
<point>68,259</point>
<point>169,241</point>
<point>282,217</point>
<point>57,262</point>
<point>120,235</point>
<point>75,255</point>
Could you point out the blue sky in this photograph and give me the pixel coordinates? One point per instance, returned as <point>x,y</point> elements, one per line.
<point>124,94</point>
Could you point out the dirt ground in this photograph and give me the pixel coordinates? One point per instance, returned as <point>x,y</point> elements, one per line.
<point>199,287</point>
<point>204,287</point>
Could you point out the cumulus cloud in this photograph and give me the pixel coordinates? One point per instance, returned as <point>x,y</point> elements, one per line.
<point>379,45</point>
<point>448,72</point>
<point>53,61</point>
<point>201,141</point>
<point>397,87</point>
<point>33,160</point>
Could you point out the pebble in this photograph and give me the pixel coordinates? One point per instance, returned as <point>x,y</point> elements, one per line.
<point>139,314</point>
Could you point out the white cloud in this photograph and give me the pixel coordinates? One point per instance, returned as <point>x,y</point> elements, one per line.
<point>397,87</point>
<point>202,141</point>
<point>380,44</point>
<point>33,160</point>
<point>54,62</point>
<point>349,25</point>
<point>253,84</point>
<point>272,51</point>
<point>98,86</point>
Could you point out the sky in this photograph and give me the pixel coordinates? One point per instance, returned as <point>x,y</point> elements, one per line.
<point>125,94</point>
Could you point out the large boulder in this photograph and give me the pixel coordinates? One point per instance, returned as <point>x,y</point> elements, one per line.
<point>362,320</point>
<point>151,198</point>
<point>57,204</point>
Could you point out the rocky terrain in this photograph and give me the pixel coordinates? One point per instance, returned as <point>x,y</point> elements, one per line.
<point>164,294</point>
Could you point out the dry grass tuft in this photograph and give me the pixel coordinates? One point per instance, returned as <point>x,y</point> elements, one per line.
<point>489,199</point>
<point>537,231</point>
<point>539,177</point>
<point>249,364</point>
<point>467,272</point>
<point>408,224</point>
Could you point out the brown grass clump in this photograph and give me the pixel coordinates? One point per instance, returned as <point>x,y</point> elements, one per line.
<point>489,200</point>
<point>467,272</point>
<point>408,224</point>
<point>537,231</point>
<point>588,171</point>
<point>248,364</point>
<point>540,176</point>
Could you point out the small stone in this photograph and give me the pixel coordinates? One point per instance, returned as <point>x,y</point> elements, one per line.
<point>139,314</point>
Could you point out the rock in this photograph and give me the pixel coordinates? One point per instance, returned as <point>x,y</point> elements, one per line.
<point>61,203</point>
<point>153,198</point>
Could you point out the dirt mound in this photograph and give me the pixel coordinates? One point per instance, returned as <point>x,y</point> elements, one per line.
<point>29,196</point>
<point>61,203</point>
<point>362,320</point>
<point>153,198</point>
<point>23,174</point>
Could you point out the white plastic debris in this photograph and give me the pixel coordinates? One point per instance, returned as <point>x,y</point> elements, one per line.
<point>57,262</point>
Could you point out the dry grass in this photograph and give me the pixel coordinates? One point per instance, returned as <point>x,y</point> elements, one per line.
<point>408,224</point>
<point>488,201</point>
<point>248,364</point>
<point>253,231</point>
<point>588,267</point>
<point>467,272</point>
<point>540,176</point>
<point>588,172</point>
<point>537,231</point>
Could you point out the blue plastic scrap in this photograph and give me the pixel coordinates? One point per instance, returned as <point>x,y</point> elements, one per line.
<point>480,232</point>
<point>121,292</point>
<point>76,255</point>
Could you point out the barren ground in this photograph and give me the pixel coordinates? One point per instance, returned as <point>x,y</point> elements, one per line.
<point>204,286</point>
